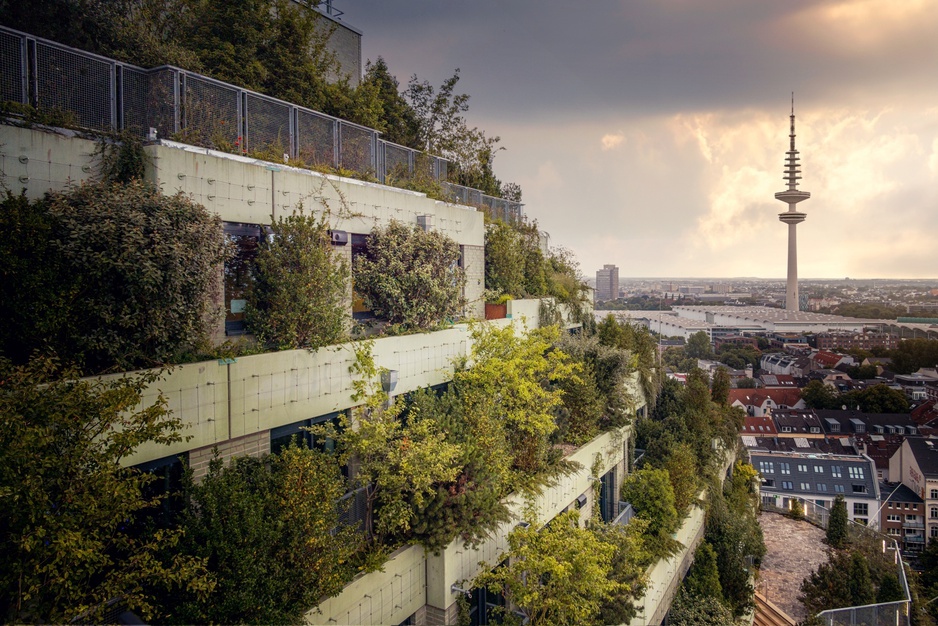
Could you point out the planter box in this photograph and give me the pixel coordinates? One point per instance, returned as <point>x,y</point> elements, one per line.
<point>496,311</point>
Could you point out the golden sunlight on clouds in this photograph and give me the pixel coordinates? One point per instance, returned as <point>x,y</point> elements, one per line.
<point>861,26</point>
<point>610,141</point>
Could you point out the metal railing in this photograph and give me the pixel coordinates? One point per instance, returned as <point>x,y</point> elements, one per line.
<point>880,614</point>
<point>167,102</point>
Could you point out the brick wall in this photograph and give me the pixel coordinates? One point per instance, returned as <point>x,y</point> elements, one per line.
<point>255,444</point>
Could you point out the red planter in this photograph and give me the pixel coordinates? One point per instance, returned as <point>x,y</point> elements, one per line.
<point>495,311</point>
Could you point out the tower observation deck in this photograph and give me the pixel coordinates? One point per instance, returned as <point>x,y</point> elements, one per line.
<point>792,196</point>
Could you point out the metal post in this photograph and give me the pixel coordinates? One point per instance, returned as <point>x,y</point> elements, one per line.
<point>112,74</point>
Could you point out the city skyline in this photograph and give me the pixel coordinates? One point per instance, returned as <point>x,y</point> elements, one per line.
<point>662,121</point>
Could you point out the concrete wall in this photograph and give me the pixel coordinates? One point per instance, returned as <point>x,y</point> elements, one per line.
<point>38,161</point>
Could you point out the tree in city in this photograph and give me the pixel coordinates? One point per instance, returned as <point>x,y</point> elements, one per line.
<point>720,386</point>
<point>698,346</point>
<point>398,120</point>
<point>73,515</point>
<point>877,399</point>
<point>683,475</point>
<point>797,509</point>
<point>818,395</point>
<point>628,568</point>
<point>410,277</point>
<point>555,575</point>
<point>297,296</point>
<point>837,523</point>
<point>270,533</point>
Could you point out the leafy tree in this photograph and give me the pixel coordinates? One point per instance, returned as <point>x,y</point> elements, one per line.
<point>442,130</point>
<point>877,399</point>
<point>837,523</point>
<point>70,509</point>
<point>912,354</point>
<point>504,260</point>
<point>398,119</point>
<point>628,568</point>
<point>703,579</point>
<point>720,386</point>
<point>690,610</point>
<point>511,378</point>
<point>270,533</point>
<point>556,575</point>
<point>889,589</point>
<point>119,275</point>
<point>746,383</point>
<point>797,510</point>
<point>410,277</point>
<point>698,345</point>
<point>683,475</point>
<point>817,395</point>
<point>297,298</point>
<point>650,493</point>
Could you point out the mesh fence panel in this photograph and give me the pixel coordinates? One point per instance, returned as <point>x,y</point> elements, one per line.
<point>396,162</point>
<point>353,508</point>
<point>134,92</point>
<point>162,105</point>
<point>356,148</point>
<point>267,126</point>
<point>892,614</point>
<point>211,114</point>
<point>77,85</point>
<point>315,138</point>
<point>12,69</point>
<point>474,196</point>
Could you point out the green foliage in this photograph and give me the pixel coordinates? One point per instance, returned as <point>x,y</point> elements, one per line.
<point>410,277</point>
<point>797,509</point>
<point>852,578</point>
<point>269,531</point>
<point>720,386</point>
<point>640,342</point>
<point>703,579</point>
<point>70,542</point>
<point>690,610</point>
<point>877,399</point>
<point>557,575</point>
<point>683,475</point>
<point>297,296</point>
<point>837,523</point>
<point>398,121</point>
<point>650,493</point>
<point>628,569</point>
<point>507,393</point>
<point>698,346</point>
<point>817,395</point>
<point>911,354</point>
<point>504,259</point>
<point>735,535</point>
<point>108,275</point>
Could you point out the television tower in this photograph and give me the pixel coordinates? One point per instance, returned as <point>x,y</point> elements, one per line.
<point>792,217</point>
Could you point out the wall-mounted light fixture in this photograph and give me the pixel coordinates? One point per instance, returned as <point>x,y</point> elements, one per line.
<point>388,380</point>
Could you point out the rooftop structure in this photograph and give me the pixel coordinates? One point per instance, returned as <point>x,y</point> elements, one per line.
<point>767,319</point>
<point>792,217</point>
<point>607,283</point>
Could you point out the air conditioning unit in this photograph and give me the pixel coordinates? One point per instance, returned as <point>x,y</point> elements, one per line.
<point>339,237</point>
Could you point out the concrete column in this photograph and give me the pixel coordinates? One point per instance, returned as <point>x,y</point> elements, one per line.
<point>791,293</point>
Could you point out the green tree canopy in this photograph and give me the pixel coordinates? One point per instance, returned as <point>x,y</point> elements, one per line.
<point>297,297</point>
<point>837,523</point>
<point>703,579</point>
<point>556,575</point>
<point>108,275</point>
<point>698,345</point>
<point>410,277</point>
<point>73,517</point>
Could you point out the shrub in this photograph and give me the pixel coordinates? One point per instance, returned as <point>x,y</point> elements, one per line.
<point>299,286</point>
<point>108,275</point>
<point>410,277</point>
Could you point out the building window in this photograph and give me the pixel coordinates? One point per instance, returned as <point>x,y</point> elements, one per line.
<point>839,488</point>
<point>911,518</point>
<point>785,429</point>
<point>893,518</point>
<point>802,468</point>
<point>933,512</point>
<point>244,240</point>
<point>806,486</point>
<point>281,436</point>
<point>818,469</point>
<point>934,494</point>
<point>890,505</point>
<point>769,482</point>
<point>822,486</point>
<point>861,520</point>
<point>855,472</point>
<point>934,531</point>
<point>835,471</point>
<point>767,467</point>
<point>893,531</point>
<point>785,468</point>
<point>787,484</point>
<point>859,489</point>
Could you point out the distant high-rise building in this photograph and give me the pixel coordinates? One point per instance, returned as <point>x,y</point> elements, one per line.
<point>792,217</point>
<point>607,283</point>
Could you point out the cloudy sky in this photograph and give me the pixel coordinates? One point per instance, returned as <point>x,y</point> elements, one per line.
<point>651,133</point>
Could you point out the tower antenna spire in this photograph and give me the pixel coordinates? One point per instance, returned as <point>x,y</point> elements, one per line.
<point>792,196</point>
